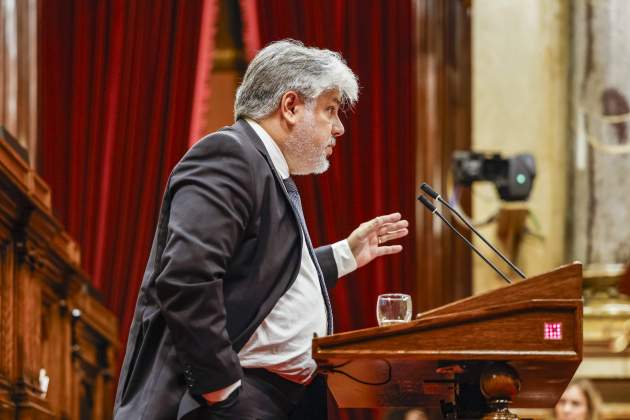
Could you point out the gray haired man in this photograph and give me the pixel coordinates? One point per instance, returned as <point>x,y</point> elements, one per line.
<point>234,289</point>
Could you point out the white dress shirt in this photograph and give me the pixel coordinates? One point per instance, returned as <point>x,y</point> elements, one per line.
<point>282,342</point>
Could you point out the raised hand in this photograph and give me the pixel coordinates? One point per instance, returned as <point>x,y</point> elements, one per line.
<point>367,241</point>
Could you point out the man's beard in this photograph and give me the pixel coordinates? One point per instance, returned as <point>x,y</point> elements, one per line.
<point>303,155</point>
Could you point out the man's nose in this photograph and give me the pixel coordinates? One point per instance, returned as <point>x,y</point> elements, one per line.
<point>337,128</point>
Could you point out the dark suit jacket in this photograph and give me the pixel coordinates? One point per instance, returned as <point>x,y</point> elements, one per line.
<point>226,248</point>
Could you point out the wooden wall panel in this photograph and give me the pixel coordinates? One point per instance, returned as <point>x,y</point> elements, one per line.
<point>7,406</point>
<point>443,125</point>
<point>18,71</point>
<point>50,317</point>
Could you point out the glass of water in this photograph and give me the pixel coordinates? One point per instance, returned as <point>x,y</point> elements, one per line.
<point>393,308</point>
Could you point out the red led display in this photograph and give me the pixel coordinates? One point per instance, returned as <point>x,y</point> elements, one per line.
<point>553,330</point>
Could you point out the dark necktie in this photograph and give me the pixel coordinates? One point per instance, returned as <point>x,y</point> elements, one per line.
<point>294,196</point>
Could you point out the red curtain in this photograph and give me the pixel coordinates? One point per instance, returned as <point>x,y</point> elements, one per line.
<point>117,92</point>
<point>373,168</point>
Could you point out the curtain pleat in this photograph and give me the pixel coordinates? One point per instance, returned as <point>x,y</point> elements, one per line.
<point>118,91</point>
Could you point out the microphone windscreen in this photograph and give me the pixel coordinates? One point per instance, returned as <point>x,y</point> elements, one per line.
<point>428,190</point>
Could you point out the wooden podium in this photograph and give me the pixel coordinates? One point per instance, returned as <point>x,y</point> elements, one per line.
<point>521,344</point>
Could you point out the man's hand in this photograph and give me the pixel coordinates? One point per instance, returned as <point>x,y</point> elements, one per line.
<point>366,241</point>
<point>217,397</point>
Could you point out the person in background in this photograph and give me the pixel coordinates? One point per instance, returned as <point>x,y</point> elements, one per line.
<point>577,402</point>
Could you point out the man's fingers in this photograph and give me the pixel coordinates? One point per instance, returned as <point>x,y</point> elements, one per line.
<point>389,218</point>
<point>388,250</point>
<point>392,220</point>
<point>392,227</point>
<point>393,235</point>
<point>379,221</point>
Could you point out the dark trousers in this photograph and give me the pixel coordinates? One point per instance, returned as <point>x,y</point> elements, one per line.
<point>266,396</point>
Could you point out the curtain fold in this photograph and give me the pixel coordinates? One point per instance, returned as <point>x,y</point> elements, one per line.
<point>373,167</point>
<point>118,84</point>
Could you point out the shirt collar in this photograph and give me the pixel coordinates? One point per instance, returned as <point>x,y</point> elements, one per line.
<point>277,158</point>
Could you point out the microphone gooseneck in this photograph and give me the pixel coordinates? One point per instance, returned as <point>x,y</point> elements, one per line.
<point>429,191</point>
<point>429,205</point>
<point>425,201</point>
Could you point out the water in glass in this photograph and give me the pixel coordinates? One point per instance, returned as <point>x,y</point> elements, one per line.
<point>393,308</point>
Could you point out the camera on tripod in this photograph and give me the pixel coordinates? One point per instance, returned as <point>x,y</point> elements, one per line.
<point>513,177</point>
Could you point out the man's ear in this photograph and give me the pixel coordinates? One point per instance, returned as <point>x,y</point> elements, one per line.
<point>289,106</point>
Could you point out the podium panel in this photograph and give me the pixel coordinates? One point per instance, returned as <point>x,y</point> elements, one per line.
<point>534,326</point>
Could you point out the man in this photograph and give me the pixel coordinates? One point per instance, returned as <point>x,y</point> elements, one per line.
<point>234,291</point>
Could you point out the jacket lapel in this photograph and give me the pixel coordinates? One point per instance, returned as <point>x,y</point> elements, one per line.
<point>243,127</point>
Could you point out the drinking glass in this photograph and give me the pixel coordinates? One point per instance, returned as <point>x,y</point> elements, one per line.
<point>393,308</point>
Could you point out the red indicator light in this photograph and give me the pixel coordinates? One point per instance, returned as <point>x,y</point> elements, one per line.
<point>553,330</point>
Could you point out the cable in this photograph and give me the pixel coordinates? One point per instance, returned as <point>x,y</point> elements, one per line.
<point>334,369</point>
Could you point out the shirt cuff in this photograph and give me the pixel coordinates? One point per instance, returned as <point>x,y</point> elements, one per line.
<point>221,394</point>
<point>343,257</point>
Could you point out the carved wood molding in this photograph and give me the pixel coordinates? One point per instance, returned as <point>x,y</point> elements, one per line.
<point>41,281</point>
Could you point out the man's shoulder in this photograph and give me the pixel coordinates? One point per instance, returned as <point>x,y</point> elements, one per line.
<point>228,139</point>
<point>230,147</point>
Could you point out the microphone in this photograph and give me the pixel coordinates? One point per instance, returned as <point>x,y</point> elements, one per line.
<point>434,210</point>
<point>429,191</point>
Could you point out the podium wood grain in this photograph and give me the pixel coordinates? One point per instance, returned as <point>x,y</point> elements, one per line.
<point>504,325</point>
